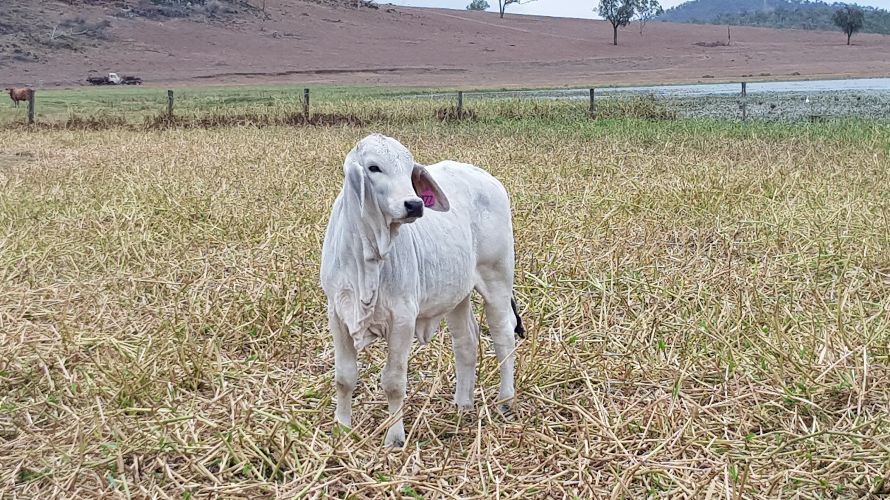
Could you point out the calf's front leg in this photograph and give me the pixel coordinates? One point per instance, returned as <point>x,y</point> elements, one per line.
<point>394,379</point>
<point>345,370</point>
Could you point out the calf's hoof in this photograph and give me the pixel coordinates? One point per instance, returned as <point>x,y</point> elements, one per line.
<point>395,443</point>
<point>395,439</point>
<point>464,407</point>
<point>506,410</point>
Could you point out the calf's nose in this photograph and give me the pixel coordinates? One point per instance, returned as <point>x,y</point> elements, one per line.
<point>414,208</point>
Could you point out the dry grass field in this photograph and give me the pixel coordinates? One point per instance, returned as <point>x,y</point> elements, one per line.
<point>707,306</point>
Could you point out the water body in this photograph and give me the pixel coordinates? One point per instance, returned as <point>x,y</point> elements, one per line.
<point>770,101</point>
<point>865,85</point>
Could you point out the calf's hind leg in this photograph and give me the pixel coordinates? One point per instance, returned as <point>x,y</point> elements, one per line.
<point>465,340</point>
<point>497,292</point>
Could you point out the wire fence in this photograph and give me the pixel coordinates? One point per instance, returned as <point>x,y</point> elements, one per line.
<point>768,101</point>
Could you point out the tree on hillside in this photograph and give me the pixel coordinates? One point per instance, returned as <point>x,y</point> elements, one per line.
<point>502,5</point>
<point>849,19</point>
<point>478,5</point>
<point>617,12</point>
<point>647,10</point>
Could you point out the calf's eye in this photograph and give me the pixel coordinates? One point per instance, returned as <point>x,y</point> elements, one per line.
<point>374,168</point>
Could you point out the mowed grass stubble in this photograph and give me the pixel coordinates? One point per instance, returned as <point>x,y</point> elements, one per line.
<point>706,304</point>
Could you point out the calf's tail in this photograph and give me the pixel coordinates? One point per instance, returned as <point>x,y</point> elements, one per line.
<point>519,330</point>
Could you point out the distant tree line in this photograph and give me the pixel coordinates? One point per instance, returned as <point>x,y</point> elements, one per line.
<point>478,5</point>
<point>795,14</point>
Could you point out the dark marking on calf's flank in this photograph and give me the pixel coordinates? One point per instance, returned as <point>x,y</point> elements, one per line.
<point>482,201</point>
<point>519,330</point>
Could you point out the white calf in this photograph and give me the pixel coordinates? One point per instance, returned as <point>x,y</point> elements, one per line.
<point>393,270</point>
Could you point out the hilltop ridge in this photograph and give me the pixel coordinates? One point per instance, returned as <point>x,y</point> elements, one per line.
<point>302,42</point>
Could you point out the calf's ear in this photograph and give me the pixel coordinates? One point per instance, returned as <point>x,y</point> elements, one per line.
<point>427,189</point>
<point>354,178</point>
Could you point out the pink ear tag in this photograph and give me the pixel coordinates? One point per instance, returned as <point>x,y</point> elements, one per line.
<point>429,199</point>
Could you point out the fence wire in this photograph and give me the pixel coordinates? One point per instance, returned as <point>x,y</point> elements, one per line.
<point>764,101</point>
<point>769,101</point>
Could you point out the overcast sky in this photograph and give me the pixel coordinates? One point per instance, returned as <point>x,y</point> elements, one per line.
<point>562,8</point>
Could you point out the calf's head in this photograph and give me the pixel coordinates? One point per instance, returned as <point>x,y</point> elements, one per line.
<point>382,173</point>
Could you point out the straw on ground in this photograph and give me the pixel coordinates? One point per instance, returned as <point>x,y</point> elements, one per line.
<point>707,308</point>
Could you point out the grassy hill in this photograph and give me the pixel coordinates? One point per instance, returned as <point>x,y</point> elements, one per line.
<point>308,43</point>
<point>30,29</point>
<point>796,14</point>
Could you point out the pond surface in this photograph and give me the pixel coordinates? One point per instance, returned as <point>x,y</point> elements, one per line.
<point>776,100</point>
<point>868,85</point>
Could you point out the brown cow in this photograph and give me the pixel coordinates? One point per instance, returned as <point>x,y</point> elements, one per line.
<point>20,94</point>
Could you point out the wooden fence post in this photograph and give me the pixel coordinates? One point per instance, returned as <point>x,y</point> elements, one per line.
<point>306,104</point>
<point>169,104</point>
<point>744,104</point>
<point>460,103</point>
<point>31,108</point>
<point>593,103</point>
